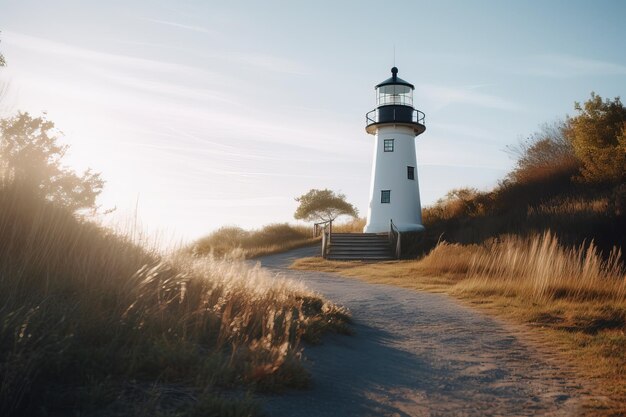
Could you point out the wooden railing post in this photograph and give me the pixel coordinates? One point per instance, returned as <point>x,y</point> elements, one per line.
<point>326,229</point>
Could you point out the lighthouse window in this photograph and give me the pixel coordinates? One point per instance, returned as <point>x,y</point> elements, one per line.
<point>410,173</point>
<point>385,196</point>
<point>388,145</point>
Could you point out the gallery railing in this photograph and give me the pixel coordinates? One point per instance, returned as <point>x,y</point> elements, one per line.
<point>395,115</point>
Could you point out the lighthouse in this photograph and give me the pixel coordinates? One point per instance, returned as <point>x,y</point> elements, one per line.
<point>394,188</point>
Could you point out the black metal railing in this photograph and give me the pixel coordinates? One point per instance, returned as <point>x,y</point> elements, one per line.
<point>326,230</point>
<point>395,239</point>
<point>415,116</point>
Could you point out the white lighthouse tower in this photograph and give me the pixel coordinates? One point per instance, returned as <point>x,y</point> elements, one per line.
<point>394,189</point>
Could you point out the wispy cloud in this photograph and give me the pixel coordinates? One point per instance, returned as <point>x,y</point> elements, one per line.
<point>443,96</point>
<point>270,63</point>
<point>58,49</point>
<point>564,66</point>
<point>179,25</point>
<point>255,60</point>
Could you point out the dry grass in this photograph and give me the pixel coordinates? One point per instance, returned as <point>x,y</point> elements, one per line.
<point>531,204</point>
<point>93,324</point>
<point>233,241</point>
<point>539,269</point>
<point>572,297</point>
<point>351,226</point>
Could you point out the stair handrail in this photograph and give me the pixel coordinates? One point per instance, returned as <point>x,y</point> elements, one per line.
<point>326,230</point>
<point>395,238</point>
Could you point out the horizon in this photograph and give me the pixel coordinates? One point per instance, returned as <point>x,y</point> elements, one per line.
<point>211,115</point>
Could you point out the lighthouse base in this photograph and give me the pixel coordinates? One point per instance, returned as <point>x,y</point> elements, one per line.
<point>385,227</point>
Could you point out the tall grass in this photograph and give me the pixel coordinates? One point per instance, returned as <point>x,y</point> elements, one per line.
<point>535,268</point>
<point>351,226</point>
<point>88,318</point>
<point>272,238</point>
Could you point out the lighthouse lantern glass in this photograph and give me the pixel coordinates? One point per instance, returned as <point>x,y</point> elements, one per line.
<point>394,94</point>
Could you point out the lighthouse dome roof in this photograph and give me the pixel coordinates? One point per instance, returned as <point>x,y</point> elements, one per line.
<point>395,80</point>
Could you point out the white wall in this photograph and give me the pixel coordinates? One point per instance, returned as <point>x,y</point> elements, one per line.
<point>389,172</point>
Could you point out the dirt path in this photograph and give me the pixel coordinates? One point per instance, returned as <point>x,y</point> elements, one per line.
<point>419,354</point>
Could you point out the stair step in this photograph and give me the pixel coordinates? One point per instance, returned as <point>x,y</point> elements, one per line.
<point>360,235</point>
<point>349,245</point>
<point>359,258</point>
<point>360,246</point>
<point>359,242</point>
<point>360,239</point>
<point>359,250</point>
<point>357,234</point>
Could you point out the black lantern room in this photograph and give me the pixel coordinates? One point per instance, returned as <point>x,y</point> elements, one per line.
<point>394,101</point>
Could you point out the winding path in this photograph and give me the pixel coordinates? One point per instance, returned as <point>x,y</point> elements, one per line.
<point>419,354</point>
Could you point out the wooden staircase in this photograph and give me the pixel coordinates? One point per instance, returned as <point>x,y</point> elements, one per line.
<point>360,246</point>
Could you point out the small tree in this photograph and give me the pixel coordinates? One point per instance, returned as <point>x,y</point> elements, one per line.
<point>323,205</point>
<point>598,136</point>
<point>31,157</point>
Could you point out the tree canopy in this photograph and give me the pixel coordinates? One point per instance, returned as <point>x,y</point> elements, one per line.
<point>323,205</point>
<point>31,157</point>
<point>598,135</point>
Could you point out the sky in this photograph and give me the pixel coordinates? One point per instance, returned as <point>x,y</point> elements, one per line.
<point>201,114</point>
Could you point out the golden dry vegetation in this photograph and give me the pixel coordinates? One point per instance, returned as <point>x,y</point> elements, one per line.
<point>93,324</point>
<point>235,242</point>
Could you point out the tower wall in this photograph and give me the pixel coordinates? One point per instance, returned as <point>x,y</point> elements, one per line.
<point>389,172</point>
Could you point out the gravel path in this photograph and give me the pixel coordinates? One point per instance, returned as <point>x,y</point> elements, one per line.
<point>419,354</point>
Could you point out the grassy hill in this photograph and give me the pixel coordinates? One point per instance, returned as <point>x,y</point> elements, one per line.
<point>93,324</point>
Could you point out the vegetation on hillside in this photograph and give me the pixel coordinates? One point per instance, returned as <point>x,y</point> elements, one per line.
<point>235,242</point>
<point>93,324</point>
<point>316,205</point>
<point>569,179</point>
